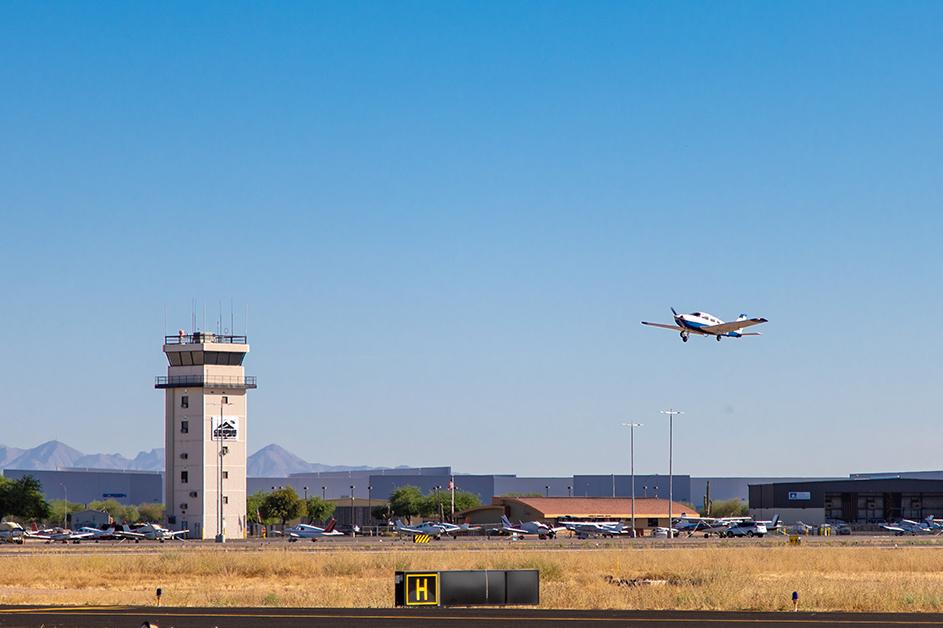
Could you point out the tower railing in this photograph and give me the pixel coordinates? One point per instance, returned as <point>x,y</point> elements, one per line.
<point>202,337</point>
<point>205,381</point>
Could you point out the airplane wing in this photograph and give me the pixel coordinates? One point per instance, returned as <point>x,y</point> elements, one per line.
<point>517,530</point>
<point>890,528</point>
<point>723,328</point>
<point>663,326</point>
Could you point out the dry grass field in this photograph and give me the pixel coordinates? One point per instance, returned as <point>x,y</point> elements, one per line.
<point>732,577</point>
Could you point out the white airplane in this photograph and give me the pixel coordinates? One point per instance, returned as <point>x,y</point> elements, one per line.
<point>706,525</point>
<point>433,528</point>
<point>908,526</point>
<point>11,532</point>
<point>305,531</point>
<point>704,324</point>
<point>56,534</point>
<point>542,530</point>
<point>584,529</point>
<point>152,532</point>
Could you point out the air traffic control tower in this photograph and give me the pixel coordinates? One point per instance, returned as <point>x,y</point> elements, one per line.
<point>205,434</point>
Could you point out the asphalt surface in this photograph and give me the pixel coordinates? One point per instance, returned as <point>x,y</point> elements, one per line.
<point>63,617</point>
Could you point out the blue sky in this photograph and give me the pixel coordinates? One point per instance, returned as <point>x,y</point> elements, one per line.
<point>448,219</point>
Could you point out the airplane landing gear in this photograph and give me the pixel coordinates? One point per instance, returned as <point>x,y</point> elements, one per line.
<point>718,338</point>
<point>684,336</point>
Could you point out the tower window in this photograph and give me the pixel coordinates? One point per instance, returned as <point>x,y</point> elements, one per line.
<point>184,477</point>
<point>185,401</point>
<point>184,427</point>
<point>184,456</point>
<point>225,499</point>
<point>225,475</point>
<point>193,493</point>
<point>225,400</point>
<point>183,506</point>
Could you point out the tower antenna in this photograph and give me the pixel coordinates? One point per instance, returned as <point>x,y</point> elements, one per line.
<point>232,319</point>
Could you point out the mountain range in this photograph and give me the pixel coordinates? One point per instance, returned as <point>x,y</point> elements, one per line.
<point>270,461</point>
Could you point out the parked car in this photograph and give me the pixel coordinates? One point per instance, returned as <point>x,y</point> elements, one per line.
<point>745,528</point>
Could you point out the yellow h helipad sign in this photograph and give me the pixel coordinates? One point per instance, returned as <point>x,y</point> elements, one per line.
<point>422,589</point>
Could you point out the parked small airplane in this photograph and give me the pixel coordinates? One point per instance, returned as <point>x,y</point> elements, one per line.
<point>305,531</point>
<point>584,529</point>
<point>909,526</point>
<point>542,530</point>
<point>704,324</point>
<point>152,532</point>
<point>50,535</point>
<point>11,532</point>
<point>706,525</point>
<point>433,528</point>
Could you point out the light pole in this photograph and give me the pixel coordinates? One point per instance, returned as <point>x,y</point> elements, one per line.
<point>352,520</point>
<point>569,491</point>
<point>632,427</point>
<point>547,491</point>
<point>306,492</point>
<point>323,492</point>
<point>671,415</point>
<point>370,504</point>
<point>65,504</point>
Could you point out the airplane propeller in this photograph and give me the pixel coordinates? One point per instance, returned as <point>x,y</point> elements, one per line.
<point>674,312</point>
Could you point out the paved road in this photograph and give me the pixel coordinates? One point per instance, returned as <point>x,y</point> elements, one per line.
<point>64,617</point>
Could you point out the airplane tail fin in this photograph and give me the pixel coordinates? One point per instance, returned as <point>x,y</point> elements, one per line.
<point>505,521</point>
<point>775,520</point>
<point>330,525</point>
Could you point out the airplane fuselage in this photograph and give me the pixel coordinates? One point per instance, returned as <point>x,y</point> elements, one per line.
<point>699,322</point>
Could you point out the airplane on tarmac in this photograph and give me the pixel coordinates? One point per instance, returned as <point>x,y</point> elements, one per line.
<point>705,525</point>
<point>433,528</point>
<point>56,535</point>
<point>909,526</point>
<point>11,532</point>
<point>542,530</point>
<point>585,529</point>
<point>704,324</point>
<point>152,532</point>
<point>305,531</point>
<point>727,526</point>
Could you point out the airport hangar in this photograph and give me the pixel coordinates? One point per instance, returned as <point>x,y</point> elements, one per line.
<point>862,499</point>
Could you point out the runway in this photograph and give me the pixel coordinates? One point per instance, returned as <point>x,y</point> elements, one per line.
<point>66,617</point>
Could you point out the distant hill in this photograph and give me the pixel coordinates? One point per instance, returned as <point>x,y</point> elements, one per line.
<point>272,461</point>
<point>57,455</point>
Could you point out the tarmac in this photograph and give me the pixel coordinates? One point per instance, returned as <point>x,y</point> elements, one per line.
<point>66,617</point>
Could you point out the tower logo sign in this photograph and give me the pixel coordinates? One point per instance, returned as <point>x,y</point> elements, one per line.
<point>225,428</point>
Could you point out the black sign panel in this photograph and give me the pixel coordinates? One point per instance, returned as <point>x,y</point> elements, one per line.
<point>468,588</point>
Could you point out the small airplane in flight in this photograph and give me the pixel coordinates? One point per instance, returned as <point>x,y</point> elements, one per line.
<point>704,324</point>
<point>305,531</point>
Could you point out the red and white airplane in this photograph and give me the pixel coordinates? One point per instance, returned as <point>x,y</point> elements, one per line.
<point>704,324</point>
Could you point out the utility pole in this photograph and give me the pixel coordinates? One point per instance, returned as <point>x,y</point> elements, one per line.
<point>452,489</point>
<point>671,415</point>
<point>632,427</point>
